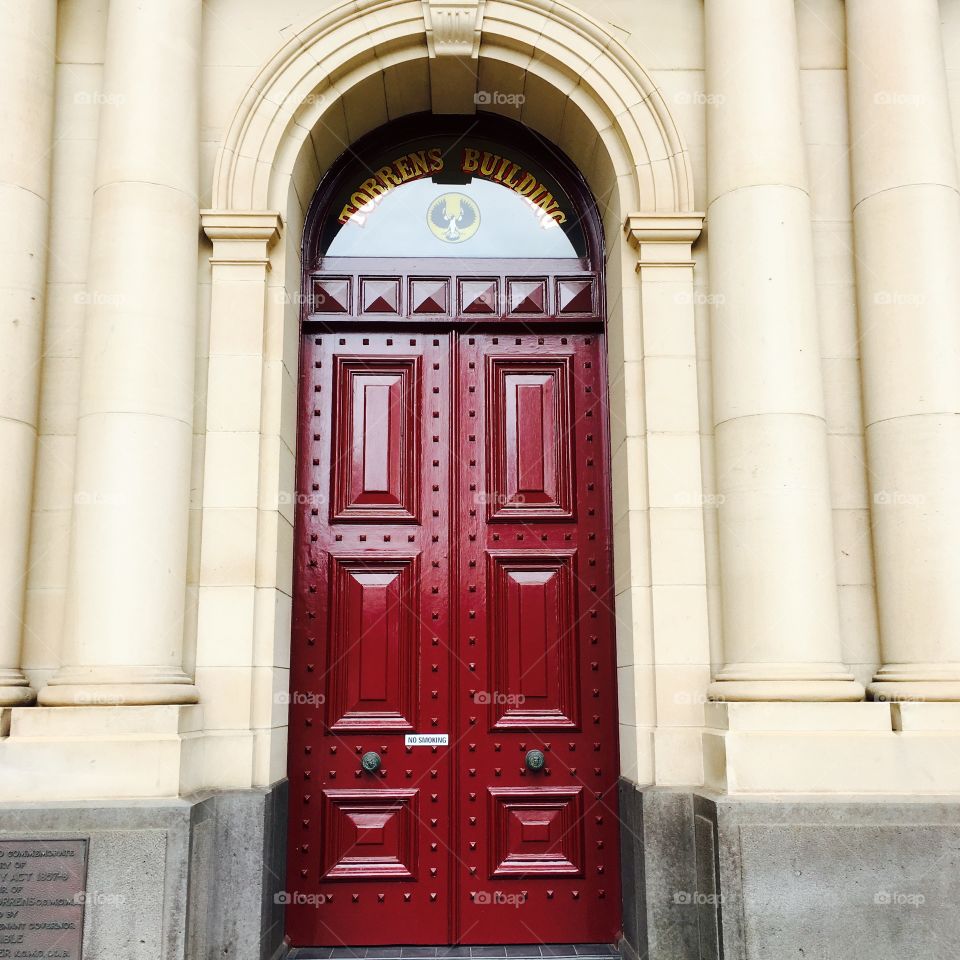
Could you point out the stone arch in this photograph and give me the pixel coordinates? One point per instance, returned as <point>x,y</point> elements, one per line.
<point>360,64</point>
<point>589,88</point>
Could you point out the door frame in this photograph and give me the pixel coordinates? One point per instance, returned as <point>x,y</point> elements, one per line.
<point>588,269</point>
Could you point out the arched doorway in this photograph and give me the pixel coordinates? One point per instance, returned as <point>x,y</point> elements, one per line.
<point>453,756</point>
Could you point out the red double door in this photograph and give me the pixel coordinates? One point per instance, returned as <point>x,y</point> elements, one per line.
<point>453,722</point>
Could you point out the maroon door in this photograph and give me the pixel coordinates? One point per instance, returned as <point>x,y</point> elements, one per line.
<point>453,724</point>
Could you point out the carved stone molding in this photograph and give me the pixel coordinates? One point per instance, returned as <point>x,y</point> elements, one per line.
<point>453,28</point>
<point>241,236</point>
<point>663,238</point>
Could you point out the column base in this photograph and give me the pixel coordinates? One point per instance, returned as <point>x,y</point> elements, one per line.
<point>916,681</point>
<point>15,689</point>
<point>117,687</point>
<point>788,682</point>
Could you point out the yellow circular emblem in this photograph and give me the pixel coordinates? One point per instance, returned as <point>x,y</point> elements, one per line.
<point>453,217</point>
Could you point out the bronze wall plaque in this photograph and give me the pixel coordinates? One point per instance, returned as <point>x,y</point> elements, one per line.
<point>41,899</point>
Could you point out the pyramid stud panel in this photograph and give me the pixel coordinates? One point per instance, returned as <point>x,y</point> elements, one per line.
<point>479,297</point>
<point>429,296</point>
<point>527,297</point>
<point>575,297</point>
<point>380,295</point>
<point>331,295</point>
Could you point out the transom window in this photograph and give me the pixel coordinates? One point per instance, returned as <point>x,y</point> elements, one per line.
<point>451,196</point>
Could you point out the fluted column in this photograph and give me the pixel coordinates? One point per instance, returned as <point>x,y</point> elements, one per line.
<point>27,42</point>
<point>779,593</point>
<point>907,234</point>
<point>128,553</point>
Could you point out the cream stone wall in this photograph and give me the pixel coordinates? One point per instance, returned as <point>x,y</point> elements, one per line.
<point>667,492</point>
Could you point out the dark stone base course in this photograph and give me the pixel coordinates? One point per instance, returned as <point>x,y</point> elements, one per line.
<point>189,879</point>
<point>721,878</point>
<point>705,878</point>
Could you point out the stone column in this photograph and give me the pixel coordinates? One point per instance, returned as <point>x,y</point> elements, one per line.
<point>128,553</point>
<point>907,234</point>
<point>27,53</point>
<point>780,603</point>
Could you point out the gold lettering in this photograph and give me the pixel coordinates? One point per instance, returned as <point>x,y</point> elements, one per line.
<point>419,161</point>
<point>503,166</point>
<point>526,185</point>
<point>547,203</point>
<point>488,164</point>
<point>471,160</point>
<point>509,179</point>
<point>403,168</point>
<point>346,213</point>
<point>436,159</point>
<point>372,187</point>
<point>536,193</point>
<point>388,178</point>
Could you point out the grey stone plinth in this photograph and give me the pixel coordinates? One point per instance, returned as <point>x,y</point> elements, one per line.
<point>189,879</point>
<point>709,877</point>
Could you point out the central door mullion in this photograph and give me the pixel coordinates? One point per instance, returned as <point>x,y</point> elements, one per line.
<point>454,636</point>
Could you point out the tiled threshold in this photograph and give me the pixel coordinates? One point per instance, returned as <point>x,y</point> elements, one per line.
<point>553,951</point>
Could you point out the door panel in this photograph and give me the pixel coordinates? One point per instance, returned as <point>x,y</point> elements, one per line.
<point>371,664</point>
<point>368,854</point>
<point>453,577</point>
<point>376,439</point>
<point>532,643</point>
<point>529,461</point>
<point>538,851</point>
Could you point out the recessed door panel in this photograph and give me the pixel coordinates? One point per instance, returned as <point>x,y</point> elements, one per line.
<point>369,835</point>
<point>373,650</point>
<point>376,438</point>
<point>537,831</point>
<point>532,643</point>
<point>528,439</point>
